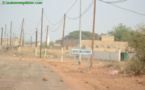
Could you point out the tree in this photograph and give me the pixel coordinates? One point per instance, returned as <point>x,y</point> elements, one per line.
<point>122,33</point>
<point>137,64</point>
<point>86,35</point>
<point>51,43</point>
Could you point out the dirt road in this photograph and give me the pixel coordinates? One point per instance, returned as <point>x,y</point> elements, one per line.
<point>28,75</point>
<point>25,73</point>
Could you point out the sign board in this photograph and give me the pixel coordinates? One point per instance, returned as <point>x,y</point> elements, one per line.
<point>82,51</point>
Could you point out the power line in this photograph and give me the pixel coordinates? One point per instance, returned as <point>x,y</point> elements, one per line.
<point>71,6</point>
<point>50,21</point>
<point>113,2</point>
<point>89,6</point>
<point>56,28</point>
<point>124,8</point>
<point>34,32</point>
<point>32,29</point>
<point>61,17</point>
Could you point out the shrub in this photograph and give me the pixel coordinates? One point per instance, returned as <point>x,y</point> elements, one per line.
<point>135,67</point>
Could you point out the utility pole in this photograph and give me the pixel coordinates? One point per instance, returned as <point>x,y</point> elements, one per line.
<point>23,38</point>
<point>46,41</point>
<point>31,41</point>
<point>80,33</point>
<point>93,33</point>
<point>36,43</point>
<point>21,33</point>
<point>46,37</point>
<point>2,37</point>
<point>13,39</point>
<point>11,35</point>
<point>36,38</point>
<point>7,39</point>
<point>5,36</point>
<point>41,32</point>
<point>63,38</point>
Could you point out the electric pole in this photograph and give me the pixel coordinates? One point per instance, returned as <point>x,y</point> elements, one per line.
<point>7,39</point>
<point>80,33</point>
<point>46,41</point>
<point>63,38</point>
<point>31,41</point>
<point>36,38</point>
<point>41,32</point>
<point>11,35</point>
<point>21,32</point>
<point>46,37</point>
<point>93,33</point>
<point>13,39</point>
<point>23,38</point>
<point>5,36</point>
<point>36,43</point>
<point>2,37</point>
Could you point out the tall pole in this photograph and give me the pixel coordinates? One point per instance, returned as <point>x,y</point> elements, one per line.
<point>93,33</point>
<point>41,32</point>
<point>46,41</point>
<point>63,38</point>
<point>46,37</point>
<point>7,39</point>
<point>11,35</point>
<point>21,32</point>
<point>23,38</point>
<point>13,39</point>
<point>80,33</point>
<point>2,37</point>
<point>31,41</point>
<point>36,38</point>
<point>36,43</point>
<point>5,35</point>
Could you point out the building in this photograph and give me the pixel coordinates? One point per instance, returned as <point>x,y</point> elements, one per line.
<point>105,43</point>
<point>6,41</point>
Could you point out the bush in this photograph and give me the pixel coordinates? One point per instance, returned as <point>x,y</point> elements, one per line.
<point>135,67</point>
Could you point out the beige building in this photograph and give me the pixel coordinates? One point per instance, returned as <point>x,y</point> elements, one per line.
<point>6,42</point>
<point>105,43</point>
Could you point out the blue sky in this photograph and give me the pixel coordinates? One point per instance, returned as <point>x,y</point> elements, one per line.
<point>107,16</point>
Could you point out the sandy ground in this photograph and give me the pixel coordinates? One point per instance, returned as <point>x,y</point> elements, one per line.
<point>28,75</point>
<point>81,78</point>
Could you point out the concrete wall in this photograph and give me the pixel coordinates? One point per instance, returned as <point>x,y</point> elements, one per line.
<point>110,56</point>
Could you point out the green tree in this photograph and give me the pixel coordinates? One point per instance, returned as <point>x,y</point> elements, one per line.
<point>51,43</point>
<point>58,41</point>
<point>122,33</point>
<point>137,64</point>
<point>86,35</point>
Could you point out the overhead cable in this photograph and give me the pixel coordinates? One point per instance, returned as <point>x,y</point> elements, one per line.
<point>89,6</point>
<point>124,8</point>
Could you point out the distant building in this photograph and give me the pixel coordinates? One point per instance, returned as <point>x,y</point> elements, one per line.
<point>14,41</point>
<point>105,43</point>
